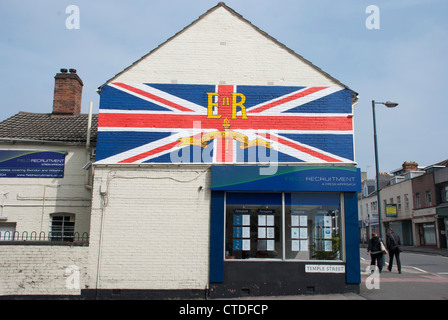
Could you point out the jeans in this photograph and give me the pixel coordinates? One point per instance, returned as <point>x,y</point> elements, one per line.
<point>377,257</point>
<point>395,253</point>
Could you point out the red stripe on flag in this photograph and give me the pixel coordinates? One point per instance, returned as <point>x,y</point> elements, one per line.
<point>132,120</point>
<point>224,147</point>
<point>296,96</point>
<point>151,96</point>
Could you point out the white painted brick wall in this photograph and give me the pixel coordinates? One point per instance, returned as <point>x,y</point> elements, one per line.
<point>155,227</point>
<point>42,270</point>
<point>30,202</point>
<point>221,48</point>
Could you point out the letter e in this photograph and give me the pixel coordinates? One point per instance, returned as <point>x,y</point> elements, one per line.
<point>212,104</point>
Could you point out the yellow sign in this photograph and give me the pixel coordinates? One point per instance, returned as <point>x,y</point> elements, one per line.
<point>391,210</point>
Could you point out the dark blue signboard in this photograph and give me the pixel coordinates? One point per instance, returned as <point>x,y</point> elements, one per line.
<point>32,164</point>
<point>286,178</point>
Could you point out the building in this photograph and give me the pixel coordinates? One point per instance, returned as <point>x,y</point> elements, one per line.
<point>229,172</point>
<point>224,166</point>
<point>413,203</point>
<point>45,185</point>
<point>368,206</point>
<point>441,182</point>
<point>397,201</point>
<point>428,198</point>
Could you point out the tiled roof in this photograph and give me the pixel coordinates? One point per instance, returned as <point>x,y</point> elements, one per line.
<point>48,127</point>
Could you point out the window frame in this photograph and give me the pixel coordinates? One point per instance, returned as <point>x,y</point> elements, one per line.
<point>418,200</point>
<point>64,225</point>
<point>406,201</point>
<point>445,194</point>
<point>283,227</point>
<point>428,198</point>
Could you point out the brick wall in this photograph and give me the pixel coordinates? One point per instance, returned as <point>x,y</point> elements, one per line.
<point>221,48</point>
<point>153,226</point>
<point>42,270</point>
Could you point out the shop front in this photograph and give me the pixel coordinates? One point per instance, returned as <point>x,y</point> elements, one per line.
<point>425,226</point>
<point>293,232</point>
<point>442,214</point>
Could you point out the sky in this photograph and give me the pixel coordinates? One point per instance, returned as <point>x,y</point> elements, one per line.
<point>397,52</point>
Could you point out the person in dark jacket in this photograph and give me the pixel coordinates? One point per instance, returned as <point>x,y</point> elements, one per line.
<point>374,248</point>
<point>393,244</point>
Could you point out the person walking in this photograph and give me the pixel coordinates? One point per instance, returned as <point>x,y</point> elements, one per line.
<point>393,244</point>
<point>376,254</point>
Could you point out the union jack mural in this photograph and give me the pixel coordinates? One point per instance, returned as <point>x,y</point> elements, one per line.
<point>166,123</point>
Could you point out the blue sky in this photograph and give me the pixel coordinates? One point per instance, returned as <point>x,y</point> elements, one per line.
<point>405,60</point>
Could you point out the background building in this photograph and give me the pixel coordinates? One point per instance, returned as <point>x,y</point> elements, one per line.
<point>45,185</point>
<point>413,205</point>
<point>441,182</point>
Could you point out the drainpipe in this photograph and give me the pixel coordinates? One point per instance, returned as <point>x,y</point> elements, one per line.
<point>89,126</point>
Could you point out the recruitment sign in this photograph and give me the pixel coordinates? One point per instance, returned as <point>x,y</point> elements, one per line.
<point>32,164</point>
<point>287,178</point>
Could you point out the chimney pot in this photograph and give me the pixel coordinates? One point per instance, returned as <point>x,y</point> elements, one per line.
<point>64,70</point>
<point>72,70</point>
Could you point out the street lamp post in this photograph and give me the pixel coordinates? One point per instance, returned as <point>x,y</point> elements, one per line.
<point>388,104</point>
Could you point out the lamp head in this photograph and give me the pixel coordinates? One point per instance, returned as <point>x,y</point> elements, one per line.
<point>390,104</point>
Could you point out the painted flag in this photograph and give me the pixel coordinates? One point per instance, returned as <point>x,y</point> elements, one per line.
<point>172,123</point>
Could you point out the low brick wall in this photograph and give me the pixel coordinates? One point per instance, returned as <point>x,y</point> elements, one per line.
<point>42,270</point>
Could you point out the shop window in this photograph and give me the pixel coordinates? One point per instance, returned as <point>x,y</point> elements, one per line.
<point>62,227</point>
<point>253,225</point>
<point>306,227</point>
<point>427,233</point>
<point>313,223</point>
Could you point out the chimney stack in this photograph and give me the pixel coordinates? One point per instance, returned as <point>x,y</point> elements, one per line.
<point>410,166</point>
<point>67,93</point>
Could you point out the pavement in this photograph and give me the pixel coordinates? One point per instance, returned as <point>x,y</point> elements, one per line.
<point>355,296</point>
<point>433,251</point>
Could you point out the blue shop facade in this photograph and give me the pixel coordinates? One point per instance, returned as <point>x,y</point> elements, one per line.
<point>288,233</point>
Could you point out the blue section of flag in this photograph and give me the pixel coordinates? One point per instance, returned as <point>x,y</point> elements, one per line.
<point>113,98</point>
<point>338,102</point>
<point>112,143</point>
